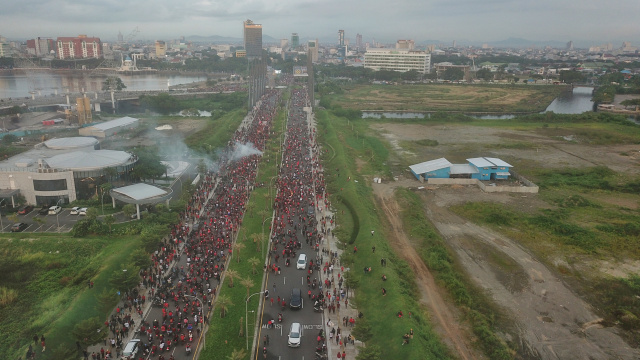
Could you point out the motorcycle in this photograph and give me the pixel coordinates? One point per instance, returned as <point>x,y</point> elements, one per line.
<point>279,318</point>
<point>188,349</point>
<point>288,262</point>
<point>318,308</point>
<point>321,356</point>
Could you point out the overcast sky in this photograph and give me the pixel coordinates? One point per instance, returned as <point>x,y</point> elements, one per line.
<point>583,21</point>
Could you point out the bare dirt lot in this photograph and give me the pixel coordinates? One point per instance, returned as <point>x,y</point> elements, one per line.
<point>552,321</point>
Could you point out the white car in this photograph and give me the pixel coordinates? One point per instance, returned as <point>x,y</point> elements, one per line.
<point>302,262</point>
<point>55,210</point>
<point>74,210</point>
<point>82,211</point>
<point>131,349</point>
<point>295,334</point>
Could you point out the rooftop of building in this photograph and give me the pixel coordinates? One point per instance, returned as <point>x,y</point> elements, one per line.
<point>123,121</point>
<point>76,154</point>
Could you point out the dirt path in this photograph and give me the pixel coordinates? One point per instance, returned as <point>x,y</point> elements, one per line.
<point>553,322</point>
<point>444,314</point>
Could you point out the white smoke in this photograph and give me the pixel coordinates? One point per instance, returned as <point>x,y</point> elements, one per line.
<point>242,150</point>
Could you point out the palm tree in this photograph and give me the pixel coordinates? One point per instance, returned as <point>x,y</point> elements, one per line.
<point>248,283</point>
<point>237,355</point>
<point>257,239</point>
<point>254,261</point>
<point>267,200</point>
<point>231,274</point>
<point>263,214</point>
<point>237,247</point>
<point>249,207</point>
<point>223,302</point>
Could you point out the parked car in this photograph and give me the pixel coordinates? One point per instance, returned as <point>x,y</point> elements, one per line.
<point>74,210</point>
<point>302,262</point>
<point>25,210</point>
<point>83,212</point>
<point>296,299</point>
<point>295,334</point>
<point>18,227</point>
<point>55,210</point>
<point>44,210</point>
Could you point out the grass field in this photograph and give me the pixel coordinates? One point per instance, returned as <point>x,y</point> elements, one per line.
<point>49,275</point>
<point>352,154</point>
<point>446,97</point>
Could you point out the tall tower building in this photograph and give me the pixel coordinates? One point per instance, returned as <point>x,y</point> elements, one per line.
<point>161,48</point>
<point>340,37</point>
<point>252,39</point>
<point>359,41</point>
<point>295,40</point>
<point>312,46</point>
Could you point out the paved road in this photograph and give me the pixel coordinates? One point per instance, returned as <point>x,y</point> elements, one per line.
<point>294,229</point>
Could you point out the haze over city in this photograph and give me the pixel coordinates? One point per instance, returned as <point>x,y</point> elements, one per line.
<point>466,21</point>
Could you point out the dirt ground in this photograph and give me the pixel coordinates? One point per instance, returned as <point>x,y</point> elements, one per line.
<point>552,322</point>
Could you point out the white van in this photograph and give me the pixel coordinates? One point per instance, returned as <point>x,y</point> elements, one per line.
<point>54,210</point>
<point>295,334</point>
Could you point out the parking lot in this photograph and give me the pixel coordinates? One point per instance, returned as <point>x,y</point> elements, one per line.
<point>63,222</point>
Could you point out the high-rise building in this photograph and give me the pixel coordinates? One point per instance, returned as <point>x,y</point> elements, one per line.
<point>397,60</point>
<point>340,37</point>
<point>359,41</point>
<point>295,40</point>
<point>284,43</point>
<point>405,45</point>
<point>312,46</point>
<point>161,48</point>
<point>253,39</point>
<point>40,46</point>
<point>120,37</point>
<point>81,47</point>
<point>570,45</point>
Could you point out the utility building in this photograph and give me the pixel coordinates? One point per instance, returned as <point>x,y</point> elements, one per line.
<point>481,168</point>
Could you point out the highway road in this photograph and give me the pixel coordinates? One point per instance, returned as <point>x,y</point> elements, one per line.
<point>294,233</point>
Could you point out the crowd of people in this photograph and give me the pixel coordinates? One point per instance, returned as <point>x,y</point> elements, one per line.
<point>185,290</point>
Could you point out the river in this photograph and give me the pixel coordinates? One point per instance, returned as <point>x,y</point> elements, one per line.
<point>45,83</point>
<point>575,102</point>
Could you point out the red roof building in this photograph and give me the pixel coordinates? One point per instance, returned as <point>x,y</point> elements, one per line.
<point>81,47</point>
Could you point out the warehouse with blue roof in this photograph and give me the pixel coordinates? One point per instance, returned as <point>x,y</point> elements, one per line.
<point>481,168</point>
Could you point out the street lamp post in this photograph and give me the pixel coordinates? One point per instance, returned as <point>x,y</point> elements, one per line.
<point>58,214</point>
<point>246,312</point>
<point>1,224</point>
<point>263,240</point>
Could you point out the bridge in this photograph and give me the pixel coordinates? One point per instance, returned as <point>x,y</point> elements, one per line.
<point>99,97</point>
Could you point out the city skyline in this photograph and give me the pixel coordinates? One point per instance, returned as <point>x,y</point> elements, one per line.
<point>584,22</point>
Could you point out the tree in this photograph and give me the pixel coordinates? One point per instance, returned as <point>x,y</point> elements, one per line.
<point>202,167</point>
<point>254,261</point>
<point>237,354</point>
<point>370,352</point>
<point>247,283</point>
<point>113,83</point>
<point>140,258</point>
<point>231,274</point>
<point>63,352</point>
<point>257,239</point>
<point>92,213</point>
<point>411,75</point>
<point>109,220</point>
<point>128,210</point>
<point>9,139</point>
<point>107,299</point>
<point>630,102</point>
<point>571,76</point>
<point>125,279</point>
<point>237,247</point>
<point>362,331</point>
<point>149,164</point>
<point>453,74</point>
<point>90,331</point>
<point>484,74</point>
<point>223,302</point>
<point>263,214</point>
